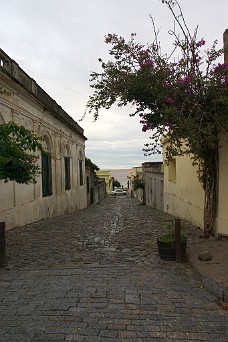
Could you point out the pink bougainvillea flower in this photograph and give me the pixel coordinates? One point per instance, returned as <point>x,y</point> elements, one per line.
<point>144,53</point>
<point>170,100</point>
<point>200,43</point>
<point>186,80</point>
<point>108,38</point>
<point>147,63</point>
<point>221,66</point>
<point>165,84</point>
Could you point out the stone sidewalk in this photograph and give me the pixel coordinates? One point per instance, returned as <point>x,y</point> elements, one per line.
<point>95,275</point>
<point>212,273</point>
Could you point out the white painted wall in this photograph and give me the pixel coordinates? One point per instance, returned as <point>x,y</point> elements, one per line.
<point>23,204</point>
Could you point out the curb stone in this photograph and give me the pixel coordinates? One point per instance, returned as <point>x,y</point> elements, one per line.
<point>216,288</point>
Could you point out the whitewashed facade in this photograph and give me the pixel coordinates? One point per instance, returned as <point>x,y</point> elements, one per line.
<point>61,188</point>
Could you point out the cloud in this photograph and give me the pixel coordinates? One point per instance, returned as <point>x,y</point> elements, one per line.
<point>58,43</point>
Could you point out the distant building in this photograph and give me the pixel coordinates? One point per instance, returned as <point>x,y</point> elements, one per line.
<point>61,188</point>
<point>134,172</point>
<point>106,175</point>
<point>153,178</point>
<point>135,175</point>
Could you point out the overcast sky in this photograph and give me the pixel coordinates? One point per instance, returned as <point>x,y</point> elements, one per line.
<point>58,43</point>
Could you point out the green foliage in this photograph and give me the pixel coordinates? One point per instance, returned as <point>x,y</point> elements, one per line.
<point>169,236</point>
<point>138,183</point>
<point>18,161</point>
<point>93,166</point>
<point>116,183</point>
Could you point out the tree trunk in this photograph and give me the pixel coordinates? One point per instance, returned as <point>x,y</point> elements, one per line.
<point>211,185</point>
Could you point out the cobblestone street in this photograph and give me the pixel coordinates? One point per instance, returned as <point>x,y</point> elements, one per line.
<point>95,275</point>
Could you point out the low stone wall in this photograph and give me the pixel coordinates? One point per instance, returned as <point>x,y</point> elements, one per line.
<point>99,192</point>
<point>139,195</point>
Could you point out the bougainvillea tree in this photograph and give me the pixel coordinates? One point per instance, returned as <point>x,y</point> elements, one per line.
<point>18,161</point>
<point>182,96</point>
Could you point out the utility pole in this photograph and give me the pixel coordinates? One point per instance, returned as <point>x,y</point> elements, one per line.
<point>225,44</point>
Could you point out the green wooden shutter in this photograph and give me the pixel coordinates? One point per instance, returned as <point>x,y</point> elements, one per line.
<point>46,175</point>
<point>67,173</point>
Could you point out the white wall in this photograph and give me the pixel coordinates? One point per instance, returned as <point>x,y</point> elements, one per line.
<point>23,204</point>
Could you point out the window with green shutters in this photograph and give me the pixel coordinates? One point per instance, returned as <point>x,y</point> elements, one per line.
<point>80,173</point>
<point>67,173</point>
<point>46,175</point>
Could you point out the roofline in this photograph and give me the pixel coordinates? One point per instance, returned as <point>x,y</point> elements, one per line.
<point>10,68</point>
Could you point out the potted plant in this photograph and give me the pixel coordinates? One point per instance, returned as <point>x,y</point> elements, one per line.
<point>167,244</point>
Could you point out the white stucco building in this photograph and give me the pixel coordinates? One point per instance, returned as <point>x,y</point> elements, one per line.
<point>61,187</point>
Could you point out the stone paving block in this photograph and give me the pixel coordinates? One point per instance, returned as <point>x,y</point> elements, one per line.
<point>88,331</point>
<point>197,336</point>
<point>93,338</point>
<point>9,337</point>
<point>158,334</point>
<point>126,334</point>
<point>142,334</point>
<point>176,336</point>
<point>115,326</point>
<point>221,328</point>
<point>75,338</point>
<point>109,339</point>
<point>217,338</point>
<point>131,327</point>
<point>136,339</point>
<point>108,333</point>
<point>154,327</point>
